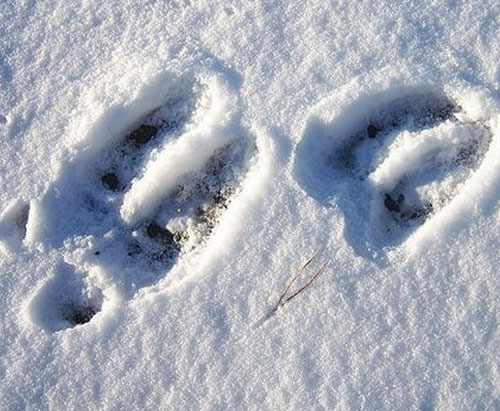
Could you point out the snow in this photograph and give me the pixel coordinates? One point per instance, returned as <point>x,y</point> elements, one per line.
<point>187,155</point>
<point>140,269</point>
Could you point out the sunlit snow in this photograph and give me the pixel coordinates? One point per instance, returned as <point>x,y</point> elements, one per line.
<point>249,205</point>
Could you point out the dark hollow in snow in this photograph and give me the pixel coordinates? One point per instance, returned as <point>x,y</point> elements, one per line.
<point>21,221</point>
<point>417,213</point>
<point>390,204</point>
<point>372,131</point>
<point>142,135</point>
<point>77,315</point>
<point>162,234</point>
<point>402,213</point>
<point>110,181</point>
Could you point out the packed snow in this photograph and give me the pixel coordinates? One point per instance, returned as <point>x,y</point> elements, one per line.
<point>249,205</point>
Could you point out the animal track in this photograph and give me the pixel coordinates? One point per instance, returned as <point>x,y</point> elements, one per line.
<point>148,197</point>
<point>67,299</point>
<point>399,164</point>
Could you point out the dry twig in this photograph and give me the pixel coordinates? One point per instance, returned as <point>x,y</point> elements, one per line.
<point>283,298</point>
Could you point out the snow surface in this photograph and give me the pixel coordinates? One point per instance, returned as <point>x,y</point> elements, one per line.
<point>368,132</point>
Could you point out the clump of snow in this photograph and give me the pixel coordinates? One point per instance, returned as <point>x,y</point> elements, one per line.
<point>447,144</point>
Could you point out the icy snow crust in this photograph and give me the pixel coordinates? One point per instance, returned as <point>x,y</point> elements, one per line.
<point>167,168</point>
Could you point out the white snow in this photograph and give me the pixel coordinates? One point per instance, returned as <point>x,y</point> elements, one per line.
<point>144,275</point>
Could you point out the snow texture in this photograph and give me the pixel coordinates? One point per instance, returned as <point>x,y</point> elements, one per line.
<point>168,167</point>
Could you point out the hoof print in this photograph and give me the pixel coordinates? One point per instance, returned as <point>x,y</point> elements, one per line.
<point>137,206</point>
<point>392,163</point>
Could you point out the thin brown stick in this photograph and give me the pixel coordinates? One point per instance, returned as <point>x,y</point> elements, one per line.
<point>316,274</point>
<point>299,272</point>
<point>283,298</point>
